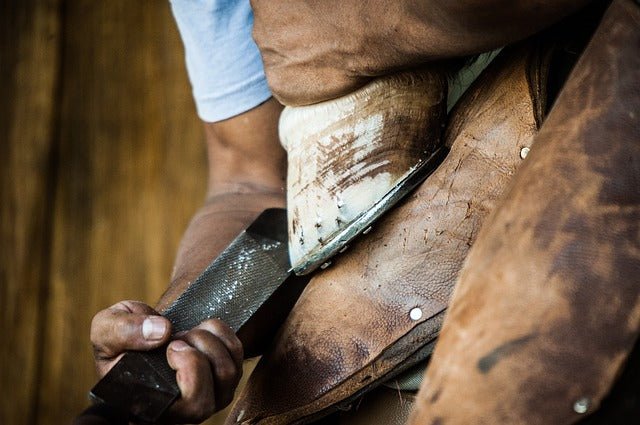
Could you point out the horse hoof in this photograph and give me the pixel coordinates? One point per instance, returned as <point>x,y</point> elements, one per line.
<point>350,159</point>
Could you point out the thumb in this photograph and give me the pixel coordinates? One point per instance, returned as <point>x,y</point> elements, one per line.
<point>127,325</point>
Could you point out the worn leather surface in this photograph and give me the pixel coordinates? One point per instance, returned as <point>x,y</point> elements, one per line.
<point>547,306</point>
<point>351,327</point>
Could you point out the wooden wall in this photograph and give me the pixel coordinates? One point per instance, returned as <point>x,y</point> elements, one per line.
<point>102,164</point>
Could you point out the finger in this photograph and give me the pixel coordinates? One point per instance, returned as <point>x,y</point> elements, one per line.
<point>193,375</point>
<point>134,307</point>
<point>127,325</point>
<point>225,370</point>
<point>220,329</point>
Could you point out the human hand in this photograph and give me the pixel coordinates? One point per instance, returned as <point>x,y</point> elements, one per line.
<point>207,359</point>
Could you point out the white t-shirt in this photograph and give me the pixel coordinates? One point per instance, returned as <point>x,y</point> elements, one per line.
<point>223,61</point>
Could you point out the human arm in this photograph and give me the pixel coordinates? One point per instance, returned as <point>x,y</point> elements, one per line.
<point>247,168</point>
<point>247,171</point>
<point>319,50</point>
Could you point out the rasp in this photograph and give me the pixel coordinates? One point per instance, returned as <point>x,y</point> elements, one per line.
<point>239,287</point>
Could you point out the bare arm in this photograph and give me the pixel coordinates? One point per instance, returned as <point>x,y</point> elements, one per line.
<point>247,172</point>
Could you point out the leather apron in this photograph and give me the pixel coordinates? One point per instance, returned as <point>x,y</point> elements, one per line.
<point>379,309</point>
<point>547,307</point>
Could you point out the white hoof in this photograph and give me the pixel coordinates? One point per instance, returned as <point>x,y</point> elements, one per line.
<point>347,154</point>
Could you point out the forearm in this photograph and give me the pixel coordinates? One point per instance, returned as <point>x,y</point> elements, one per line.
<point>247,175</point>
<point>214,226</point>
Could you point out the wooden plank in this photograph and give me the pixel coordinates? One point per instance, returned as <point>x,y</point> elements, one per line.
<point>29,39</point>
<point>132,171</point>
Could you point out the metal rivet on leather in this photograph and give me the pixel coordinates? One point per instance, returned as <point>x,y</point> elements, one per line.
<point>581,405</point>
<point>415,313</point>
<point>325,265</point>
<point>524,152</point>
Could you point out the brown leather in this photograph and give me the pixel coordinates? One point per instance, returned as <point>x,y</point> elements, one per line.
<point>547,306</point>
<point>351,328</point>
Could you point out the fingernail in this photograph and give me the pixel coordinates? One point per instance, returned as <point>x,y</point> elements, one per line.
<point>153,328</point>
<point>179,345</point>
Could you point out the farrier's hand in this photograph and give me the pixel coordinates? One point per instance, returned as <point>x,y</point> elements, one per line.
<point>318,50</point>
<point>207,359</point>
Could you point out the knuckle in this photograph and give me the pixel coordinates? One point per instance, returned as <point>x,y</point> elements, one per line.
<point>126,306</point>
<point>227,374</point>
<point>123,328</point>
<point>97,322</point>
<point>215,325</point>
<point>198,337</point>
<point>94,330</point>
<point>236,348</point>
<point>99,355</point>
<point>190,354</point>
<point>192,357</point>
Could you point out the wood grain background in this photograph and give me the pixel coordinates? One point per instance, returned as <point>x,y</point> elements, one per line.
<point>102,164</point>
